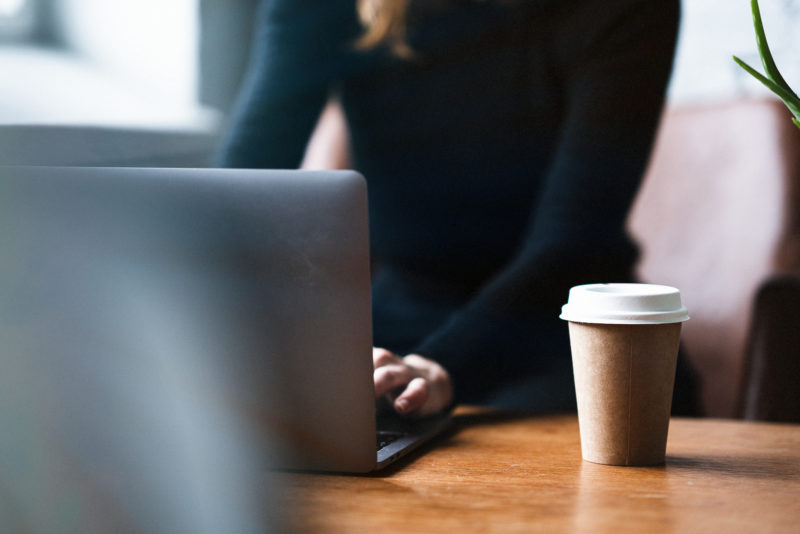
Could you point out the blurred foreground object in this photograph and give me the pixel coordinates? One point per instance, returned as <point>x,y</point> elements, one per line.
<point>117,381</point>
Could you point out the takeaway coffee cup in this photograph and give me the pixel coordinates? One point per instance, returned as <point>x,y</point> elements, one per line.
<point>624,340</point>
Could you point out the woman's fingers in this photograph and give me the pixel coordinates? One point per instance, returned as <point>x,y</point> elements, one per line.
<point>388,372</point>
<point>413,384</point>
<point>413,398</point>
<point>390,377</point>
<point>439,386</point>
<point>381,357</point>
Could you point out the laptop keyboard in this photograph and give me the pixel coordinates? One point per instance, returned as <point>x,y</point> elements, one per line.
<point>386,437</point>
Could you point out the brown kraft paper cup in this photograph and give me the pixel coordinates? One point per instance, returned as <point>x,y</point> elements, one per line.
<point>624,378</point>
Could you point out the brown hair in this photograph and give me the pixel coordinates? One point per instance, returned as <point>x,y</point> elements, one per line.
<point>385,23</point>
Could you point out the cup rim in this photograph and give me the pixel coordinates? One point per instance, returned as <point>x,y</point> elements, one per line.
<point>624,303</point>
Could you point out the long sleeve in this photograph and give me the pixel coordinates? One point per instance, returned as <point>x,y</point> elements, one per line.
<point>614,70</point>
<point>300,49</point>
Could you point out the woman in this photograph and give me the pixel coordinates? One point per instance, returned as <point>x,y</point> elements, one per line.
<point>503,143</point>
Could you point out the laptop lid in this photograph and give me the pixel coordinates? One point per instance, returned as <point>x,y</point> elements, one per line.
<point>256,280</point>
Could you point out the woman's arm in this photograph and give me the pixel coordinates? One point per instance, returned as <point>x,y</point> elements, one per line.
<point>329,146</point>
<point>300,49</point>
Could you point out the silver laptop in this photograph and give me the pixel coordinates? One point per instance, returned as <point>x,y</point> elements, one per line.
<point>256,281</point>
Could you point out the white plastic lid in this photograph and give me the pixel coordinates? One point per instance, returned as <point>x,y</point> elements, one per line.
<point>624,304</point>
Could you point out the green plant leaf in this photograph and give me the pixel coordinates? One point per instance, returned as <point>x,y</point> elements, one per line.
<point>773,80</point>
<point>788,97</point>
<point>763,49</point>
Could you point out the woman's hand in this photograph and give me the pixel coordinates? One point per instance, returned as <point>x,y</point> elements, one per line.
<point>425,385</point>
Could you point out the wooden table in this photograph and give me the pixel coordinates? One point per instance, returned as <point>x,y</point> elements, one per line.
<point>496,473</point>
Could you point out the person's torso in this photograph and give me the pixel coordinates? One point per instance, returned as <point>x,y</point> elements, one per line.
<point>454,141</point>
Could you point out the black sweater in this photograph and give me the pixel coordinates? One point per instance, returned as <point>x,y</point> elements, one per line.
<point>501,160</point>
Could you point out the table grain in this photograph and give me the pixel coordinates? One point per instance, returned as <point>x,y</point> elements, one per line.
<point>498,472</point>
